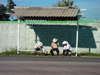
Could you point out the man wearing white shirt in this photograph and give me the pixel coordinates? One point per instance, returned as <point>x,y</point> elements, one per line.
<point>38,47</point>
<point>67,48</point>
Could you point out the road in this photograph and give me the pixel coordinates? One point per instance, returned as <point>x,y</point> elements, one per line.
<point>32,65</point>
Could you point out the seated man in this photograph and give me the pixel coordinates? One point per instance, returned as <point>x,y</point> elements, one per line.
<point>54,47</point>
<point>38,47</point>
<point>67,48</point>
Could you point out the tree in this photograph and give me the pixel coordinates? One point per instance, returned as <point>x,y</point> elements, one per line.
<point>65,3</point>
<point>10,5</point>
<point>3,15</point>
<point>59,4</point>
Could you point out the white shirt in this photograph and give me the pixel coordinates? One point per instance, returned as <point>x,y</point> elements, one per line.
<point>37,45</point>
<point>68,47</point>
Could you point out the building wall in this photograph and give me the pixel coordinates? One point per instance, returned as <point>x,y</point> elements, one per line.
<point>89,34</point>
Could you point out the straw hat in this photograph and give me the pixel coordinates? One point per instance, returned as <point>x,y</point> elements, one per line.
<point>55,40</point>
<point>64,42</point>
<point>40,43</point>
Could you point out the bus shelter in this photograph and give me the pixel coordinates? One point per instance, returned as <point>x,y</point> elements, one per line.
<point>47,14</point>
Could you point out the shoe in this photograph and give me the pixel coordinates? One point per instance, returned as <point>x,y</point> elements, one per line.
<point>52,55</point>
<point>36,55</point>
<point>66,55</point>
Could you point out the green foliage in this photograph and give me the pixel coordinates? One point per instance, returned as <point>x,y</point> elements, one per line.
<point>13,52</point>
<point>3,15</point>
<point>10,5</point>
<point>4,10</point>
<point>65,3</point>
<point>26,53</point>
<point>59,4</point>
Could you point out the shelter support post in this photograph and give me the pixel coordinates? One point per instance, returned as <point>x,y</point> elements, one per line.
<point>18,40</point>
<point>77,35</point>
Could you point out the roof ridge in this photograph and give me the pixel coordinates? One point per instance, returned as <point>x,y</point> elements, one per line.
<point>21,7</point>
<point>28,7</point>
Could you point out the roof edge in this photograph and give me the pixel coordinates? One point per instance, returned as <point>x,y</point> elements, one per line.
<point>28,7</point>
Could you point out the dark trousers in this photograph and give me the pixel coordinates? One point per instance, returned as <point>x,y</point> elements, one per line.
<point>38,49</point>
<point>55,49</point>
<point>67,51</point>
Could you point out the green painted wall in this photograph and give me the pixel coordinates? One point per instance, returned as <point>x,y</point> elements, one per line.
<point>88,21</point>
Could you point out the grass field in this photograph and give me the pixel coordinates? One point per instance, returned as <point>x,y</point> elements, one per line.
<point>14,53</point>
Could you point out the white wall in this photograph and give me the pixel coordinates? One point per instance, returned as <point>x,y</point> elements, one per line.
<point>8,37</point>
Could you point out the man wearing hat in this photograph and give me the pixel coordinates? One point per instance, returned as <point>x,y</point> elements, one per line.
<point>67,48</point>
<point>54,47</point>
<point>38,47</point>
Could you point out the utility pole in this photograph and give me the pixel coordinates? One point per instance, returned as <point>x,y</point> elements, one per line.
<point>77,31</point>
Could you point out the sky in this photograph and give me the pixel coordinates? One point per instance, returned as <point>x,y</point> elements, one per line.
<point>92,6</point>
